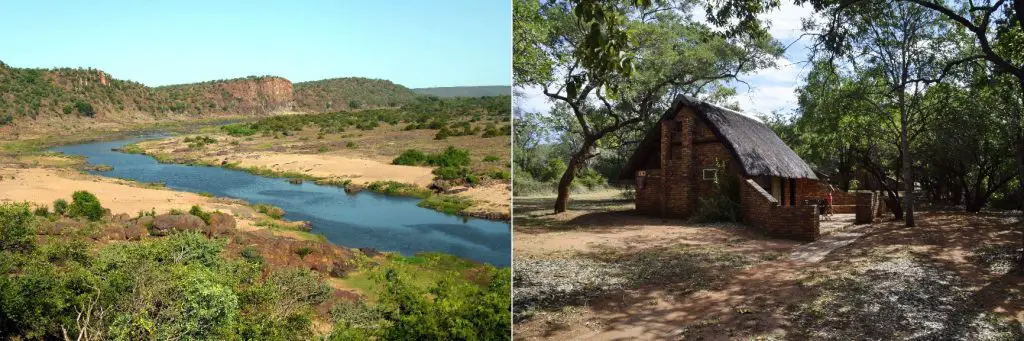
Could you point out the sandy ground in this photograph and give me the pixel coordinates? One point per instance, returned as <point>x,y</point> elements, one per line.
<point>749,303</point>
<point>359,170</point>
<point>44,185</point>
<point>489,199</point>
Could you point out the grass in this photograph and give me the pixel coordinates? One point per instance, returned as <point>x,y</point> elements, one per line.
<point>425,269</point>
<point>399,188</point>
<point>449,204</point>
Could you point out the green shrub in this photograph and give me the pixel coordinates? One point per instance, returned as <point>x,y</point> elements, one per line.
<point>270,210</point>
<point>238,130</point>
<point>446,203</point>
<point>398,188</point>
<point>491,158</point>
<point>411,157</point>
<point>451,172</point>
<point>42,211</point>
<point>442,134</point>
<point>323,149</point>
<point>350,145</point>
<point>450,157</point>
<point>6,119</point>
<point>85,204</point>
<point>303,251</point>
<point>198,211</point>
<point>60,207</point>
<point>252,254</point>
<point>17,227</point>
<point>84,109</point>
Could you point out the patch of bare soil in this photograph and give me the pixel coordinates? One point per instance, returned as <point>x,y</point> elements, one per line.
<point>603,272</point>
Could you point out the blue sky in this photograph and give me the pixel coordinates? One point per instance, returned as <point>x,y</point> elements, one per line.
<point>769,89</point>
<point>413,43</point>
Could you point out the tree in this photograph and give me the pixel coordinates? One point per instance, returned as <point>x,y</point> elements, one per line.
<point>673,55</point>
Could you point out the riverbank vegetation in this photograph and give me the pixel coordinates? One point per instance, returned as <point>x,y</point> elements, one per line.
<point>117,277</point>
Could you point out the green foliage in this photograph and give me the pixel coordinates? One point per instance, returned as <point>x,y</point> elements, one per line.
<point>198,211</point>
<point>449,204</point>
<point>42,211</point>
<point>60,207</point>
<point>491,158</point>
<point>238,130</point>
<point>723,204</point>
<point>398,188</point>
<point>6,119</point>
<point>85,204</point>
<point>411,157</point>
<point>17,226</point>
<point>303,251</point>
<point>270,210</point>
<point>84,109</point>
<point>252,254</point>
<point>448,310</point>
<point>198,142</point>
<point>350,145</point>
<point>356,93</point>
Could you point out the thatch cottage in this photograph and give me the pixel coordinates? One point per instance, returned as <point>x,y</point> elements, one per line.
<point>696,146</point>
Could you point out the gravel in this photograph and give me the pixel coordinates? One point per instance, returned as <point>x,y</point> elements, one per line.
<point>549,283</point>
<point>900,298</point>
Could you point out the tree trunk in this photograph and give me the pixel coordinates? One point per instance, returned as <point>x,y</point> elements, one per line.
<point>575,165</point>
<point>908,178</point>
<point>1018,130</point>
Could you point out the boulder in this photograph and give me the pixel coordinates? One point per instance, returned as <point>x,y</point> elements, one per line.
<point>220,224</point>
<point>164,224</point>
<point>121,218</point>
<point>135,231</point>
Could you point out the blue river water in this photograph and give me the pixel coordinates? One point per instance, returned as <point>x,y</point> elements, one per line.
<point>382,222</point>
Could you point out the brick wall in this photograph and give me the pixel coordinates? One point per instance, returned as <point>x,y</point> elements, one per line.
<point>680,195</point>
<point>648,198</point>
<point>842,202</point>
<point>760,210</point>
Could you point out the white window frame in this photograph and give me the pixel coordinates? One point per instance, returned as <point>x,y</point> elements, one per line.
<point>713,171</point>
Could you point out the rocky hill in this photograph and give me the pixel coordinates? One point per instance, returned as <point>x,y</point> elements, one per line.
<point>338,94</point>
<point>61,94</point>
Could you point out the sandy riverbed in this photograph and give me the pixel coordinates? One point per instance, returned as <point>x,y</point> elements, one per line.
<point>44,185</point>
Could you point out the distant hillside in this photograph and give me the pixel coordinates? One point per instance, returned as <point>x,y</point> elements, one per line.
<point>338,94</point>
<point>466,91</point>
<point>31,93</point>
<point>85,92</point>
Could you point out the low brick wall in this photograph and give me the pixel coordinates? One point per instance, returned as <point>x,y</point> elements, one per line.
<point>760,210</point>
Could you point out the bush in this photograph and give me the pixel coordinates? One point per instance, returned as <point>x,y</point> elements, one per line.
<point>491,158</point>
<point>42,211</point>
<point>411,157</point>
<point>197,211</point>
<point>442,134</point>
<point>84,109</point>
<point>590,179</point>
<point>238,130</point>
<point>16,228</point>
<point>350,145</point>
<point>60,207</point>
<point>270,210</point>
<point>446,203</point>
<point>450,157</point>
<point>6,119</point>
<point>451,172</point>
<point>85,204</point>
<point>252,254</point>
<point>303,251</point>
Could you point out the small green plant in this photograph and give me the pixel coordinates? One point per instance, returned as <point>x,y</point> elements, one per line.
<point>411,157</point>
<point>449,204</point>
<point>323,149</point>
<point>238,130</point>
<point>252,254</point>
<point>60,207</point>
<point>303,251</point>
<point>491,158</point>
<point>350,145</point>
<point>42,211</point>
<point>198,211</point>
<point>270,210</point>
<point>85,204</point>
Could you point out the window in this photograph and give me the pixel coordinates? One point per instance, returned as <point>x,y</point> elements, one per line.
<point>710,174</point>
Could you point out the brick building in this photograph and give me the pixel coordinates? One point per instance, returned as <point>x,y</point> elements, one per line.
<point>696,146</point>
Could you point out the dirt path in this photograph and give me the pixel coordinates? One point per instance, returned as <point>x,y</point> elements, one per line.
<point>729,282</point>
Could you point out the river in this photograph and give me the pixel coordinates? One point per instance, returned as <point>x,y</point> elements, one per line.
<point>382,222</point>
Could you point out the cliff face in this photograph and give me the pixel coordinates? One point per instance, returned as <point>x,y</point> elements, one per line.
<point>251,95</point>
<point>339,94</point>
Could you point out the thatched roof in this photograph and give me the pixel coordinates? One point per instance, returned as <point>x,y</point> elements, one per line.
<point>758,149</point>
